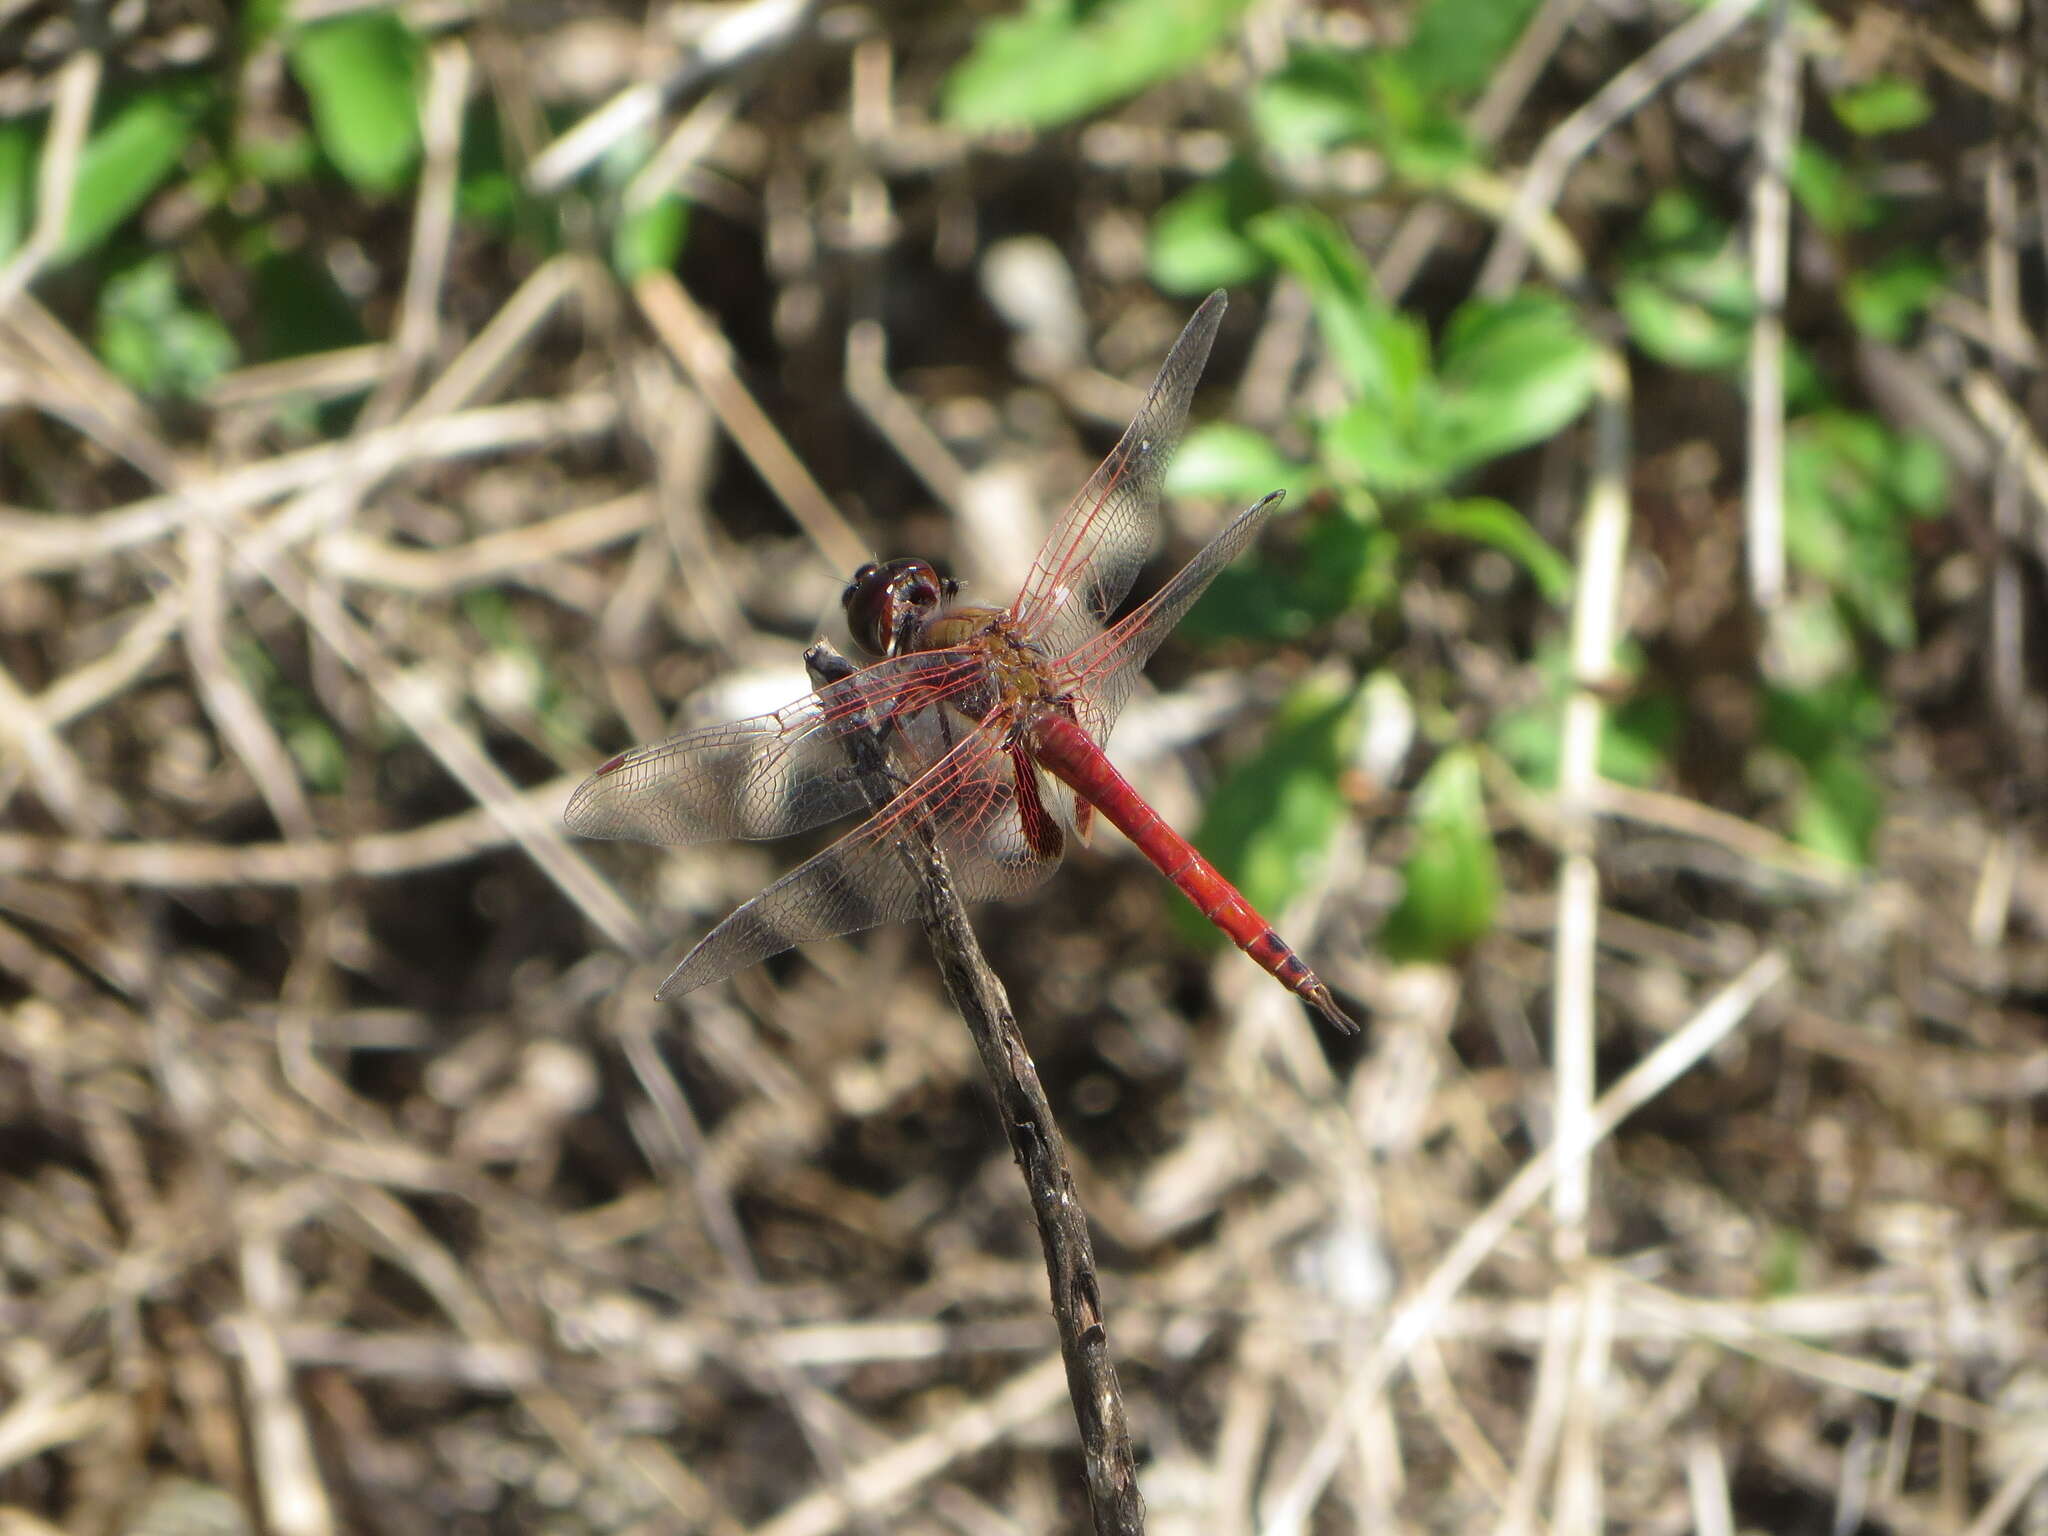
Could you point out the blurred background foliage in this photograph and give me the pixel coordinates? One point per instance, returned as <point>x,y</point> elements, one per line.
<point>271,227</point>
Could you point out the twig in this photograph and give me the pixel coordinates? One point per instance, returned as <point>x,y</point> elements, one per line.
<point>1418,1315</point>
<point>1770,207</point>
<point>1596,621</point>
<point>703,353</point>
<point>78,85</point>
<point>1040,1151</point>
<point>1677,52</point>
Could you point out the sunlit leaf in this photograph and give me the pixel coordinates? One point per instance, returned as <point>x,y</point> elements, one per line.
<point>1223,459</point>
<point>1838,812</point>
<point>1832,194</point>
<point>1887,297</point>
<point>1635,735</point>
<point>1423,136</point>
<point>150,336</point>
<point>1315,101</point>
<point>1884,105</point>
<point>17,185</point>
<point>1269,825</point>
<point>1485,520</point>
<point>651,240</point>
<point>1456,44</point>
<point>361,76</point>
<point>1451,882</point>
<point>1852,485</point>
<point>131,153</point>
<point>1383,353</point>
<point>1061,59</point>
<point>1199,240</point>
<point>1511,372</point>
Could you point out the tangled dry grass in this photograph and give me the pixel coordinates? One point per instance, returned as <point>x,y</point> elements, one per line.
<point>351,1181</point>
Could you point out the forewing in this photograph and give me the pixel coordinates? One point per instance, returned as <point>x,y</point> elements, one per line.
<point>968,803</point>
<point>1097,547</point>
<point>770,775</point>
<point>1102,672</point>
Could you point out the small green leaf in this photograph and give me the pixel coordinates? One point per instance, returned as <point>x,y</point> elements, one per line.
<point>1382,353</point>
<point>1511,372</point>
<point>1885,299</point>
<point>1198,239</point>
<point>1484,520</point>
<point>1062,59</point>
<point>1452,880</point>
<point>1347,563</point>
<point>1220,459</point>
<point>149,336</point>
<point>127,158</point>
<point>1635,737</point>
<point>1269,824</point>
<point>17,185</point>
<point>1376,448</point>
<point>1838,812</point>
<point>1424,139</point>
<point>1315,101</point>
<point>651,240</point>
<point>1833,195</point>
<point>1851,487</point>
<point>1456,44</point>
<point>361,76</point>
<point>1884,105</point>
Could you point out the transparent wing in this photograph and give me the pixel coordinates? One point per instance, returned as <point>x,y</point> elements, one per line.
<point>1097,547</point>
<point>968,803</point>
<point>773,774</point>
<point>1102,672</point>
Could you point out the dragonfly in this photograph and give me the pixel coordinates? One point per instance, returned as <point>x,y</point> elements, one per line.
<point>976,731</point>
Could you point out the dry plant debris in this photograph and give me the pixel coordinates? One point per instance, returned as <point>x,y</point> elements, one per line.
<point>350,1180</point>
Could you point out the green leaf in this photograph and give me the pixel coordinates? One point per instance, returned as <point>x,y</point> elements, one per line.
<point>1456,43</point>
<point>1347,563</point>
<point>127,158</point>
<point>1884,105</point>
<point>1511,372</point>
<point>1686,294</point>
<point>1221,459</point>
<point>1884,300</point>
<point>1635,737</point>
<point>1198,239</point>
<point>1833,195</point>
<point>1487,521</point>
<point>1423,137</point>
<point>1269,825</point>
<point>651,240</point>
<point>17,185</point>
<point>1851,488</point>
<point>156,341</point>
<point>1375,447</point>
<point>1452,880</point>
<point>1062,59</point>
<point>1315,101</point>
<point>361,76</point>
<point>1382,353</point>
<point>1838,812</point>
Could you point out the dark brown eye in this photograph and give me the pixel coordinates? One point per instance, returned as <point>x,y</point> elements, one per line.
<point>861,578</point>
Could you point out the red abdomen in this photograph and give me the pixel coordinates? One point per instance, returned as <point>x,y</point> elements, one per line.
<point>1071,755</point>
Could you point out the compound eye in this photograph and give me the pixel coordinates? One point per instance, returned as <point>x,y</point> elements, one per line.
<point>861,578</point>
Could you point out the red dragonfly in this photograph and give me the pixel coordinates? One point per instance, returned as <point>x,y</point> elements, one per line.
<point>977,728</point>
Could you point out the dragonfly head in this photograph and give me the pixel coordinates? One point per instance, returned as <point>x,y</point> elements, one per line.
<point>888,603</point>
